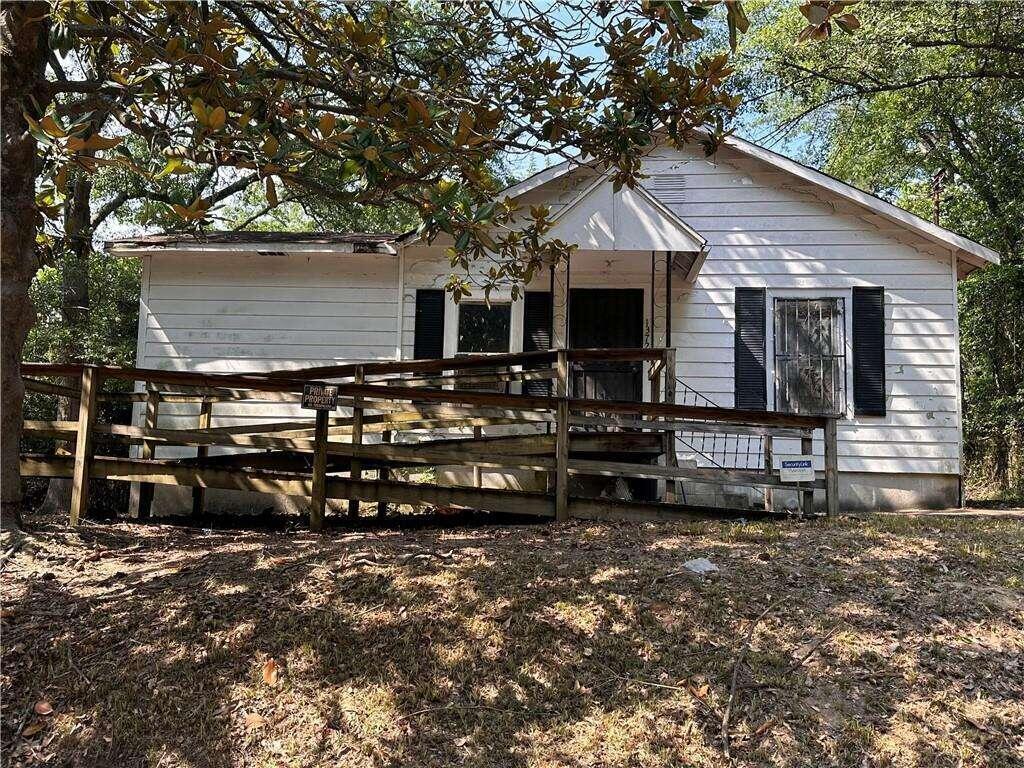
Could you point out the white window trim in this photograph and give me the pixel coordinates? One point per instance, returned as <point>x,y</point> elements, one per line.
<point>846,294</point>
<point>451,322</point>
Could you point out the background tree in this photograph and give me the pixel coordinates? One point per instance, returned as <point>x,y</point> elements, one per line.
<point>923,107</point>
<point>368,102</point>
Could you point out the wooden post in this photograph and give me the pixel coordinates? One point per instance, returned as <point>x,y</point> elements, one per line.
<point>807,504</point>
<point>384,474</point>
<point>148,449</point>
<point>205,419</point>
<point>670,376</point>
<point>831,468</point>
<point>318,501</point>
<point>91,383</point>
<point>478,475</point>
<point>656,369</point>
<point>355,465</point>
<point>671,459</point>
<point>769,452</point>
<point>562,440</point>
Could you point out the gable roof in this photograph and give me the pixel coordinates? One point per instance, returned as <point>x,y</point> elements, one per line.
<point>968,250</point>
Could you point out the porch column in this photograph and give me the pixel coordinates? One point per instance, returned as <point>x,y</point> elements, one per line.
<point>660,299</point>
<point>560,306</point>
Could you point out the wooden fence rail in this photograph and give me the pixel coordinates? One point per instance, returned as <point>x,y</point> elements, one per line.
<point>422,401</point>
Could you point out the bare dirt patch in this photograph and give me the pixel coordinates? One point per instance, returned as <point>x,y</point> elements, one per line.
<point>889,642</point>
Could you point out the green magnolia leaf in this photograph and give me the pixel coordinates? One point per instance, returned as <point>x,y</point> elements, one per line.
<point>737,20</point>
<point>485,212</point>
<point>36,130</point>
<point>173,165</point>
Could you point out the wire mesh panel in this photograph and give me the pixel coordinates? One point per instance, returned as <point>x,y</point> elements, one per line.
<point>727,451</point>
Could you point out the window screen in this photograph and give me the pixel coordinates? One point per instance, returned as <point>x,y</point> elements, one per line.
<point>810,356</point>
<point>483,328</point>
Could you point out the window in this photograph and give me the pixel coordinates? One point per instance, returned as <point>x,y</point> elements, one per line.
<point>810,356</point>
<point>483,330</point>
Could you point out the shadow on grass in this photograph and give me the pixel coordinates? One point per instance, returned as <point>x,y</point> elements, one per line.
<point>572,645</point>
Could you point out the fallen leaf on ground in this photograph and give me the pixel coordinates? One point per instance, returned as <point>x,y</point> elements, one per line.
<point>43,707</point>
<point>254,720</point>
<point>271,672</point>
<point>33,729</point>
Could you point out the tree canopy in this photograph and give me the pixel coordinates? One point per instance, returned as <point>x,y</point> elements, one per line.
<point>923,107</point>
<point>924,98</point>
<point>371,103</point>
<point>358,102</point>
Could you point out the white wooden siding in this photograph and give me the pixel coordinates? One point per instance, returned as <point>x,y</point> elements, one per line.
<point>237,312</point>
<point>764,228</point>
<point>767,229</point>
<point>231,312</point>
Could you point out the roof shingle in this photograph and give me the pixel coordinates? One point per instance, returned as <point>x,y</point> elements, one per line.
<point>361,241</point>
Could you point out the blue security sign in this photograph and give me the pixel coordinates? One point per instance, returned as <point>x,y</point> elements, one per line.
<point>797,469</point>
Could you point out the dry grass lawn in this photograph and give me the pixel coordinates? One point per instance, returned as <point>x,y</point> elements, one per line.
<point>891,641</point>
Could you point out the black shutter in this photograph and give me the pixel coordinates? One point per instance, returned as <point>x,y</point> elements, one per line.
<point>869,351</point>
<point>537,321</point>
<point>750,383</point>
<point>537,335</point>
<point>429,339</point>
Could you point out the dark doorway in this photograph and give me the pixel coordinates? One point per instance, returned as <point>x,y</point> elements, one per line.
<point>605,318</point>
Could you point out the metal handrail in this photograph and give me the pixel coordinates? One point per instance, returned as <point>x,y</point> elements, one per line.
<point>700,399</point>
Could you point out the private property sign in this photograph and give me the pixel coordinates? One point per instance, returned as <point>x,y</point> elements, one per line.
<point>797,469</point>
<point>320,397</point>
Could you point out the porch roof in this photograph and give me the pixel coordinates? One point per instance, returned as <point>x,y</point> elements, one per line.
<point>601,218</point>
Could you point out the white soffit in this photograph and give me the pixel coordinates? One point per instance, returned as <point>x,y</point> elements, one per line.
<point>601,219</point>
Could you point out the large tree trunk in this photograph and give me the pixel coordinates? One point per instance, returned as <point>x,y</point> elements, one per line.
<point>25,28</point>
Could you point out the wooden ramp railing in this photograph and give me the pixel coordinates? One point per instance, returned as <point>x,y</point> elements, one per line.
<point>402,415</point>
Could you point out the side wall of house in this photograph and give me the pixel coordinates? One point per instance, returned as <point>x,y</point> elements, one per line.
<point>231,312</point>
<point>236,312</point>
<point>768,229</point>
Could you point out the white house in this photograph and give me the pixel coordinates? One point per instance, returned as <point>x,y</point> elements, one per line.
<point>778,286</point>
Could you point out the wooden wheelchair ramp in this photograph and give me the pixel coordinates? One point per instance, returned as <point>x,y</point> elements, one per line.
<point>395,418</point>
